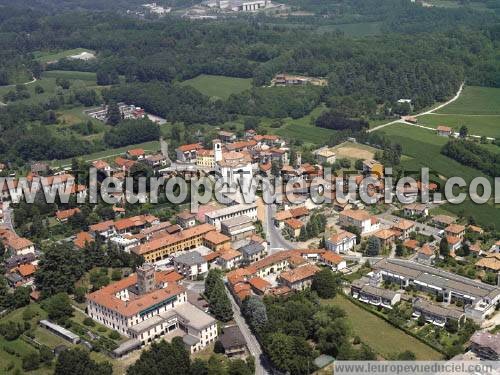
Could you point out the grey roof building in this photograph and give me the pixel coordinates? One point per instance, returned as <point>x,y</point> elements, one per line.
<point>190,258</point>
<point>233,341</point>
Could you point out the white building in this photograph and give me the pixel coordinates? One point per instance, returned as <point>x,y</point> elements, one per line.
<point>341,242</point>
<point>148,305</point>
<point>359,219</point>
<point>234,168</point>
<point>217,216</point>
<point>191,264</point>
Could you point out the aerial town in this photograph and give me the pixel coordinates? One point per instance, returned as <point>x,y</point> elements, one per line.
<point>238,187</point>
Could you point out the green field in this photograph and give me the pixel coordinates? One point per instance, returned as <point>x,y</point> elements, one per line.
<point>380,335</point>
<point>487,125</point>
<point>475,100</point>
<point>71,75</point>
<point>48,83</point>
<point>218,86</point>
<point>49,56</point>
<point>357,30</point>
<point>424,147</point>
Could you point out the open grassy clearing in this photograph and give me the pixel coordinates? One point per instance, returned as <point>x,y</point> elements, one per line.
<point>487,125</point>
<point>48,56</point>
<point>218,86</point>
<point>380,335</point>
<point>71,75</point>
<point>354,151</point>
<point>359,29</point>
<point>475,100</point>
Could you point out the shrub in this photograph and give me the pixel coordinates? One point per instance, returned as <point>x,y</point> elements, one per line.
<point>114,335</point>
<point>89,322</point>
<point>101,329</point>
<point>31,361</point>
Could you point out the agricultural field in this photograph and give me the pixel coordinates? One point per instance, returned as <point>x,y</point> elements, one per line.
<point>49,56</point>
<point>382,337</point>
<point>484,125</point>
<point>475,100</point>
<point>220,87</point>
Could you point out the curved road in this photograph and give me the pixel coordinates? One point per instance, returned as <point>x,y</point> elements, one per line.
<point>430,111</point>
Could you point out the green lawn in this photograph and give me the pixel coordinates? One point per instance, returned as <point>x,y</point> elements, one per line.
<point>71,75</point>
<point>487,125</point>
<point>380,335</point>
<point>475,101</point>
<point>49,56</point>
<point>218,86</point>
<point>424,147</point>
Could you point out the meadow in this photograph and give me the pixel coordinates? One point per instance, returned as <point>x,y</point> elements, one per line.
<point>218,86</point>
<point>382,337</point>
<point>48,56</point>
<point>475,100</point>
<point>484,125</point>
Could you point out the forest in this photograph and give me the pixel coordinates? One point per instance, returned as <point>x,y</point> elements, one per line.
<point>142,62</point>
<point>473,155</point>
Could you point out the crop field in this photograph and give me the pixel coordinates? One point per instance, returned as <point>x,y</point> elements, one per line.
<point>487,125</point>
<point>48,56</point>
<point>475,101</point>
<point>218,86</point>
<point>380,335</point>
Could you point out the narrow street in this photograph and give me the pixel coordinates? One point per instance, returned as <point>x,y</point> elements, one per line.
<point>274,236</point>
<point>7,217</point>
<point>252,343</point>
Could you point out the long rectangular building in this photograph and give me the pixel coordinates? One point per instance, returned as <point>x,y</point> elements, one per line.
<point>161,247</point>
<point>480,299</point>
<point>217,216</point>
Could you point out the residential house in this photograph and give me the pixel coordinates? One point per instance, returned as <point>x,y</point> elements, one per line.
<point>486,345</point>
<point>63,216</point>
<point>415,209</point>
<point>238,227</point>
<point>455,230</point>
<point>294,226</point>
<point>373,167</point>
<point>187,153</point>
<point>365,292</point>
<point>426,254</point>
<point>333,260</point>
<point>404,227</point>
<point>229,259</point>
<point>299,278</point>
<point>359,219</point>
<point>226,136</point>
<point>259,285</point>
<point>490,262</point>
<point>443,221</point>
<point>444,131</point>
<point>136,154</point>
<point>341,242</point>
<point>191,265</point>
<point>326,156</point>
<point>410,245</point>
<point>186,219</point>
<point>232,341</point>
<point>435,314</point>
<point>216,241</point>
<point>103,167</point>
<point>82,239</point>
<point>387,237</point>
<point>253,251</point>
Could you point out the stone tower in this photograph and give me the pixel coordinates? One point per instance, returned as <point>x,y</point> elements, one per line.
<point>146,278</point>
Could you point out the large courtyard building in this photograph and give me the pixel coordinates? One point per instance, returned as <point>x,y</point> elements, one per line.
<point>480,299</point>
<point>149,304</point>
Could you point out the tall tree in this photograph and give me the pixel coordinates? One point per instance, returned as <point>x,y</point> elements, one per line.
<point>444,248</point>
<point>114,115</point>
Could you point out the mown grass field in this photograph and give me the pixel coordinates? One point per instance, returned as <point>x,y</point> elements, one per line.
<point>48,56</point>
<point>487,125</point>
<point>380,335</point>
<point>475,100</point>
<point>424,146</point>
<point>218,86</point>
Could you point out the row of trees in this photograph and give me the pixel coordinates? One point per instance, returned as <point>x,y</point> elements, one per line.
<point>218,300</point>
<point>473,155</point>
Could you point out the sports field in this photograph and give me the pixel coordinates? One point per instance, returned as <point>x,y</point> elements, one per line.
<point>380,335</point>
<point>354,151</point>
<point>218,86</point>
